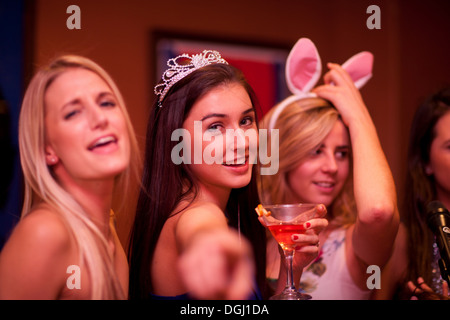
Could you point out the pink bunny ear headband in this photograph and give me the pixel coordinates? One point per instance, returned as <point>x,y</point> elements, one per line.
<point>303,70</point>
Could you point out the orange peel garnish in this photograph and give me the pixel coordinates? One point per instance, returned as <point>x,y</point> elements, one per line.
<point>261,211</point>
<point>258,210</point>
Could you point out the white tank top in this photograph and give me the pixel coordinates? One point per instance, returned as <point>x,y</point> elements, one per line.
<point>328,277</point>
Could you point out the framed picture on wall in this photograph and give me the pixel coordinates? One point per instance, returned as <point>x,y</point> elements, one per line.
<point>262,64</point>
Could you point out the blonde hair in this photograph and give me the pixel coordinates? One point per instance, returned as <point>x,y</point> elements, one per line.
<point>303,125</point>
<point>41,187</point>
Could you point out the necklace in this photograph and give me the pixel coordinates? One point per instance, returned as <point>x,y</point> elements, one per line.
<point>436,279</point>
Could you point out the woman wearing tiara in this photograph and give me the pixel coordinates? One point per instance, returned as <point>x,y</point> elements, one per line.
<point>194,216</point>
<point>75,142</point>
<point>330,154</point>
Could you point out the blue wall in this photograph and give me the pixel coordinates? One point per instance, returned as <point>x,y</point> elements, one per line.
<point>11,86</point>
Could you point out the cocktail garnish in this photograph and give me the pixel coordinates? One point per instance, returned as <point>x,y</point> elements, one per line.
<point>261,211</point>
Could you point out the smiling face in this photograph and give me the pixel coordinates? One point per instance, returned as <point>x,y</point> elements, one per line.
<point>321,176</point>
<point>439,165</point>
<point>227,107</point>
<point>86,133</point>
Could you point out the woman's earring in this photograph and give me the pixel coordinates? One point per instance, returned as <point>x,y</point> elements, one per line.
<point>52,160</point>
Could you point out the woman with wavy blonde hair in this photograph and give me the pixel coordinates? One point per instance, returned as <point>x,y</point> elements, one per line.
<point>303,125</point>
<point>78,152</point>
<point>330,153</point>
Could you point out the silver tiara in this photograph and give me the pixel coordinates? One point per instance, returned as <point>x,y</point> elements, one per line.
<point>181,66</point>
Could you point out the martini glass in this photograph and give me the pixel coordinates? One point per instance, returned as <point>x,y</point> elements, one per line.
<point>284,220</point>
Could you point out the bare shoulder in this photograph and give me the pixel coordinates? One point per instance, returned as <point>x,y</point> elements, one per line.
<point>33,262</point>
<point>205,207</point>
<point>43,226</point>
<point>204,212</point>
<point>201,216</point>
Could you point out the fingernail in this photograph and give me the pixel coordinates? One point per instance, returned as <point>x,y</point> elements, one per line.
<point>295,237</point>
<point>307,225</point>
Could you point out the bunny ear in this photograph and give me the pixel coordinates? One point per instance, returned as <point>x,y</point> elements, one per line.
<point>359,67</point>
<point>303,67</point>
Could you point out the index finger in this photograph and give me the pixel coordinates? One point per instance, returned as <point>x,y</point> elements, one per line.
<point>337,75</point>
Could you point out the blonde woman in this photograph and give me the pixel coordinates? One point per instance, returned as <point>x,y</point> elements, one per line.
<point>304,125</point>
<point>329,153</point>
<point>76,142</point>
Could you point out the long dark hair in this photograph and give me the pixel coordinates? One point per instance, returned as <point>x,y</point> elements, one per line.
<point>420,187</point>
<point>166,184</point>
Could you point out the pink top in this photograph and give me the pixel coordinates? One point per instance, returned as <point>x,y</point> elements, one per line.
<point>328,277</point>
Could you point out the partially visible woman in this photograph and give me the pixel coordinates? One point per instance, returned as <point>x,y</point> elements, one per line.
<point>413,269</point>
<point>76,142</point>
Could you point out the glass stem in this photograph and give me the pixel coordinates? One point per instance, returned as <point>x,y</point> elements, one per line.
<point>289,256</point>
